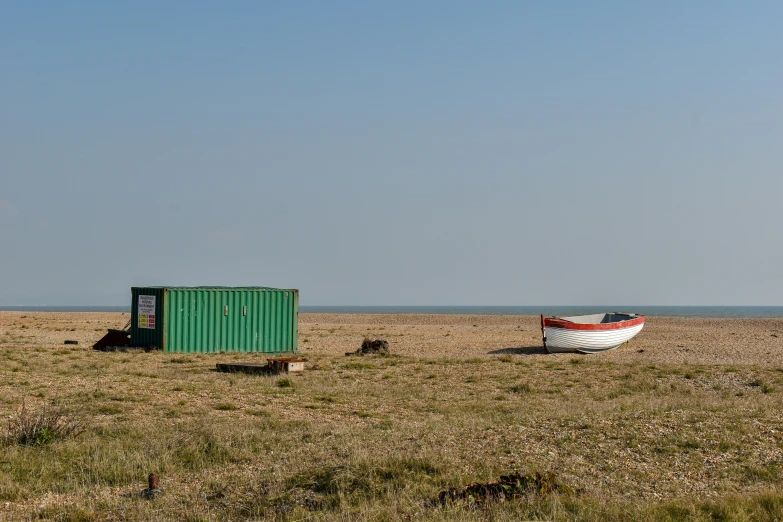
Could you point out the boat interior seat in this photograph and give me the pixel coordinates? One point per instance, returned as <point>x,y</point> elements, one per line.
<point>613,318</point>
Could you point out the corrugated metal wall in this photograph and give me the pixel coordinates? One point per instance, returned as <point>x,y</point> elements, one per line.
<point>141,336</point>
<point>204,319</point>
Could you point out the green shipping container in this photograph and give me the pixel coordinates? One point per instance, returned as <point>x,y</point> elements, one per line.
<point>215,319</point>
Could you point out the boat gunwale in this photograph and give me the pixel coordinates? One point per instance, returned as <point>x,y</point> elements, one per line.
<point>557,322</point>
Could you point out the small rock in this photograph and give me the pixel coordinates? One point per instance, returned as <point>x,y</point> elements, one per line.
<point>150,494</point>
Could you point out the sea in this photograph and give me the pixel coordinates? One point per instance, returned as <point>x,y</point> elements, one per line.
<point>650,311</point>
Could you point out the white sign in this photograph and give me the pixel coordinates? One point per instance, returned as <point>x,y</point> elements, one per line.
<point>147,311</point>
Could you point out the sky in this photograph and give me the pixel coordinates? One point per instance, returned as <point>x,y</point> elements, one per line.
<point>393,153</point>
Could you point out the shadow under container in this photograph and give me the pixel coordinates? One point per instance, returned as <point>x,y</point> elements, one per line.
<point>208,319</point>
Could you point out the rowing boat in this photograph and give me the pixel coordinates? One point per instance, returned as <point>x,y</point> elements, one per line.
<point>589,333</point>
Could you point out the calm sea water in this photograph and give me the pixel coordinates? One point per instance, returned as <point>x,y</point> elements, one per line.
<point>661,311</point>
<point>21,308</point>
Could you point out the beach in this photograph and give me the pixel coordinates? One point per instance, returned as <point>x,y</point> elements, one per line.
<point>686,415</point>
<point>663,339</point>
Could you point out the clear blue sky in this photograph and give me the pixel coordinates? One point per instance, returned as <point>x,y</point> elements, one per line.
<point>408,153</point>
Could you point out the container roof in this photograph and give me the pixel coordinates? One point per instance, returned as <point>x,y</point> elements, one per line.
<point>245,288</point>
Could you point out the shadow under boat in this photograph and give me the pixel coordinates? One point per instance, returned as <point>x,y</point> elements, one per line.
<point>520,350</point>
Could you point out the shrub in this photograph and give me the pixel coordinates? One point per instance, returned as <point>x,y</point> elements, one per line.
<point>36,428</point>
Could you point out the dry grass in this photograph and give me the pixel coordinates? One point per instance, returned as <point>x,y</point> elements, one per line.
<point>632,435</point>
<point>45,426</point>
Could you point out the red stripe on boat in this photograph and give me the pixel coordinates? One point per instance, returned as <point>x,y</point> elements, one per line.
<point>568,325</point>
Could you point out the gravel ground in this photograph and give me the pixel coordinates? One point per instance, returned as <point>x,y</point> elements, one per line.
<point>663,340</point>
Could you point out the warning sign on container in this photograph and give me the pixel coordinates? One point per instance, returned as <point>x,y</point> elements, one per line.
<point>147,311</point>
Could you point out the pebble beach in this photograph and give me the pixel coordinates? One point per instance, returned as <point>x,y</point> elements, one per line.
<point>663,339</point>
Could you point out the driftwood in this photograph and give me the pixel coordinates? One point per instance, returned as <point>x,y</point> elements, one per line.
<point>273,366</point>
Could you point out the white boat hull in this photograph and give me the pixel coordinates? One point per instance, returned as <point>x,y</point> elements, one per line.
<point>564,340</point>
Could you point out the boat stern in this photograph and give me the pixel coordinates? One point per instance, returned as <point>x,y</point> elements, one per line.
<point>543,334</point>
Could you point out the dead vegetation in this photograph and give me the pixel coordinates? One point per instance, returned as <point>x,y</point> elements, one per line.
<point>372,347</point>
<point>44,426</point>
<point>508,487</point>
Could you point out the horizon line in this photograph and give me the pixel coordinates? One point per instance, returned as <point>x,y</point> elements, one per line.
<point>429,305</point>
